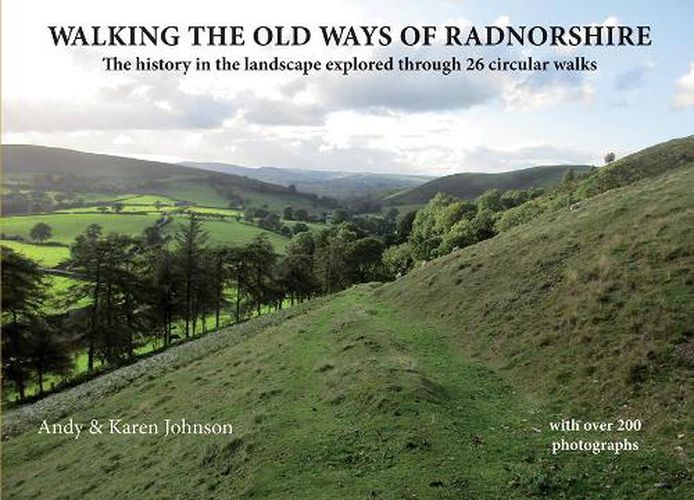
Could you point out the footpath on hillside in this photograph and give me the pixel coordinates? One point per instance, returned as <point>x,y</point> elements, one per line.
<point>347,398</point>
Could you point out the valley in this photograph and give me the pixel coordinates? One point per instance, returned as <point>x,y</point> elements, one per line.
<point>437,367</point>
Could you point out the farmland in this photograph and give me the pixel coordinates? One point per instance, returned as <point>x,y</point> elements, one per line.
<point>47,256</point>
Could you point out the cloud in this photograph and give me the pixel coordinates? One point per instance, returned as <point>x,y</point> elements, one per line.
<point>396,91</point>
<point>143,104</point>
<point>412,92</point>
<point>543,89</point>
<point>632,79</point>
<point>263,111</point>
<point>485,159</point>
<point>684,93</point>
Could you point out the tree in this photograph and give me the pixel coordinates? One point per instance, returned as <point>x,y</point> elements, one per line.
<point>271,221</point>
<point>117,207</point>
<point>300,214</point>
<point>297,278</point>
<point>162,291</point>
<point>114,282</point>
<point>46,352</point>
<point>363,258</point>
<point>392,214</point>
<point>397,260</point>
<point>41,232</point>
<point>24,291</point>
<point>300,227</point>
<point>490,200</point>
<point>87,256</point>
<point>296,269</point>
<point>288,213</point>
<point>609,157</point>
<point>262,260</point>
<point>569,176</point>
<point>330,264</point>
<point>153,236</point>
<point>430,224</point>
<point>404,227</point>
<point>218,279</point>
<point>340,215</point>
<point>190,242</point>
<point>239,270</point>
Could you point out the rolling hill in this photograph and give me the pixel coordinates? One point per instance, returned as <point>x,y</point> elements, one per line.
<point>48,168</point>
<point>443,384</point>
<point>469,186</point>
<point>335,184</point>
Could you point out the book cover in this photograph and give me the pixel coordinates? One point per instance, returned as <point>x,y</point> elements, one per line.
<point>366,249</point>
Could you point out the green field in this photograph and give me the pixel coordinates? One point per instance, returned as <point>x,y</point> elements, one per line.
<point>196,191</point>
<point>107,209</point>
<point>146,199</point>
<point>233,233</point>
<point>46,256</point>
<point>201,193</point>
<point>67,226</point>
<point>152,209</point>
<point>276,202</point>
<point>226,212</point>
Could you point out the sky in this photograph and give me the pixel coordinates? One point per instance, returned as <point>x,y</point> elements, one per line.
<point>393,123</point>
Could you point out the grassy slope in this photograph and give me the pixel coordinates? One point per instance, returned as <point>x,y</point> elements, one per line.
<point>349,399</point>
<point>469,186</point>
<point>46,256</point>
<point>379,392</point>
<point>595,309</point>
<point>67,226</point>
<point>233,233</point>
<point>22,162</point>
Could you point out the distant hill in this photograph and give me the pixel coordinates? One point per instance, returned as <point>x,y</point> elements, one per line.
<point>48,168</point>
<point>23,160</point>
<point>470,185</point>
<point>335,184</point>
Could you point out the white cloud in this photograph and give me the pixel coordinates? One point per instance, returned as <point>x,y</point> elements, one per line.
<point>486,159</point>
<point>684,93</point>
<point>544,89</point>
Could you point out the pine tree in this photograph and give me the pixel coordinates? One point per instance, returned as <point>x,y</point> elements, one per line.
<point>190,242</point>
<point>23,293</point>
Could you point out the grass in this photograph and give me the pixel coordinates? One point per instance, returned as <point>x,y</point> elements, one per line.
<point>199,192</point>
<point>59,286</point>
<point>152,209</point>
<point>648,163</point>
<point>350,399</point>
<point>439,385</point>
<point>594,312</point>
<point>146,199</point>
<point>195,191</point>
<point>46,256</point>
<point>277,202</point>
<point>66,227</point>
<point>145,209</point>
<point>224,212</point>
<point>231,232</point>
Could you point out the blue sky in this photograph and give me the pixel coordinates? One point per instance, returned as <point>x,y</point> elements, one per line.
<point>388,123</point>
